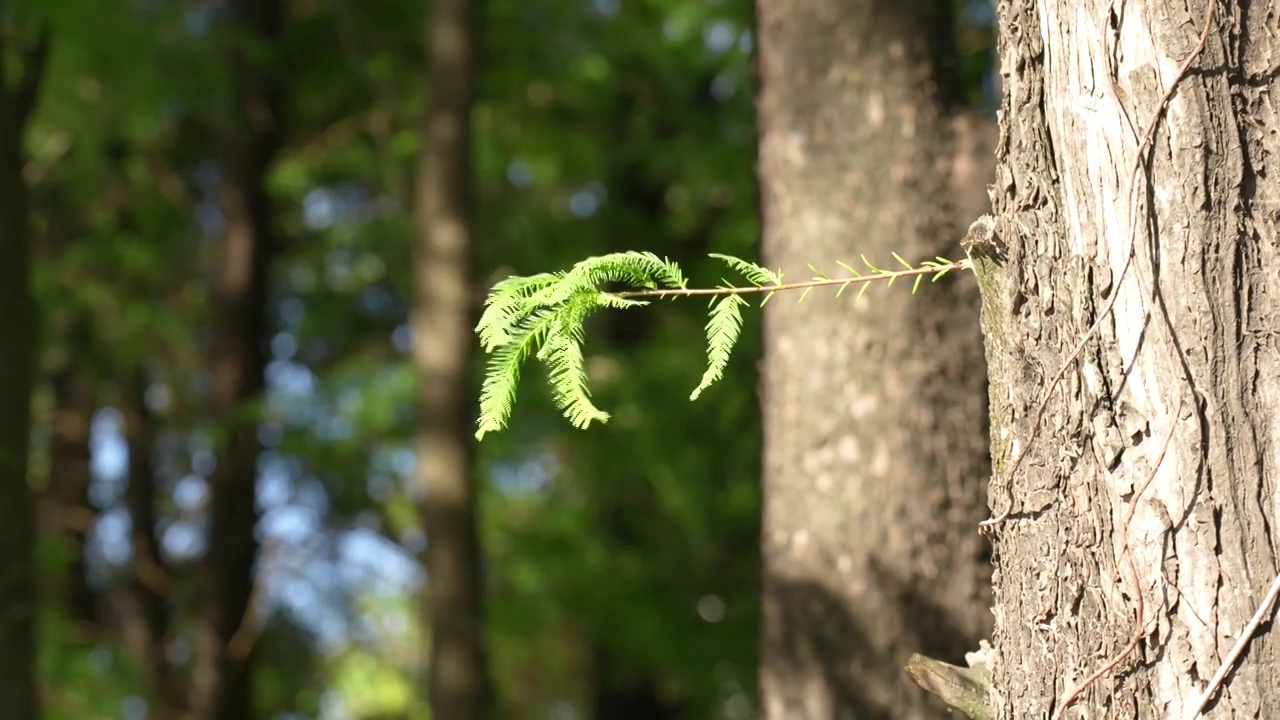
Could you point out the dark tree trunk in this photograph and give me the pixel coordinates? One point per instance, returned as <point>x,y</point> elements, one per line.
<point>70,473</point>
<point>617,694</point>
<point>19,87</point>
<point>443,316</point>
<point>874,409</point>
<point>618,697</point>
<point>221,675</point>
<point>1142,487</point>
<point>146,619</point>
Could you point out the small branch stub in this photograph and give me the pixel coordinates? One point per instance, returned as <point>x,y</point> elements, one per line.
<point>982,242</point>
<point>967,689</point>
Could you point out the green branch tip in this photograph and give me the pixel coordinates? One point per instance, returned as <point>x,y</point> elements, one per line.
<point>544,316</point>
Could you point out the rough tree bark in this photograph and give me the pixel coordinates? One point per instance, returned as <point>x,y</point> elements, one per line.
<point>19,88</point>
<point>874,411</point>
<point>1143,499</point>
<point>220,679</point>
<point>443,316</point>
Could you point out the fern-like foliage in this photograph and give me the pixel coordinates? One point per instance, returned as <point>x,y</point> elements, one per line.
<point>756,274</point>
<point>544,316</point>
<point>724,325</point>
<point>724,321</point>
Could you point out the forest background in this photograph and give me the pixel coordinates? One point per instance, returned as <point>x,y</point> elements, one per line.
<point>622,565</point>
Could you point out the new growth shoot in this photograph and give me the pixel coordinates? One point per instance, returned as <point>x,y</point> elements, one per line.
<point>543,316</point>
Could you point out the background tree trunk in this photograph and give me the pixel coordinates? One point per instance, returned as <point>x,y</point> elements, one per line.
<point>443,312</point>
<point>875,419</point>
<point>617,695</point>
<point>19,88</point>
<point>1145,498</point>
<point>146,618</point>
<point>70,473</point>
<point>221,676</point>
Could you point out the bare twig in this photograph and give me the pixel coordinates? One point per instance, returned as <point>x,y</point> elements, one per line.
<point>1259,616</point>
<point>883,276</point>
<point>256,612</point>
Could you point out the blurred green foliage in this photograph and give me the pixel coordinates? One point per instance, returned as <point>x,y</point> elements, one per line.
<point>618,558</point>
<point>599,126</point>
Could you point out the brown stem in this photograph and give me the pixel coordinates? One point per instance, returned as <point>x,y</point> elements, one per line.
<point>884,276</point>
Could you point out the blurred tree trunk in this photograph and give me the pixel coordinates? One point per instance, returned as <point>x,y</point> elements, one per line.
<point>616,696</point>
<point>443,316</point>
<point>19,89</point>
<point>71,358</point>
<point>874,409</point>
<point>1144,509</point>
<point>70,473</point>
<point>146,612</point>
<point>143,601</point>
<point>221,673</point>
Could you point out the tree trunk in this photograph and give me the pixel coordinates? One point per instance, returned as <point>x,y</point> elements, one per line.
<point>443,316</point>
<point>19,87</point>
<point>874,412</point>
<point>616,695</point>
<point>221,673</point>
<point>146,615</point>
<point>1143,497</point>
<point>70,473</point>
